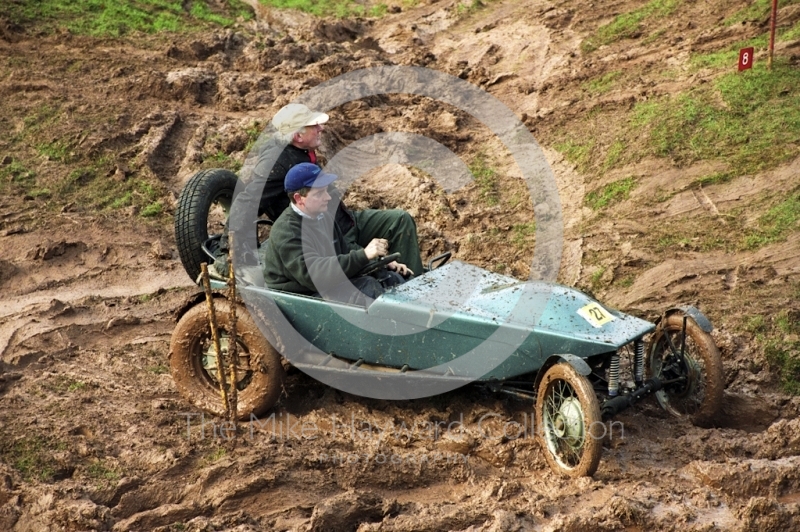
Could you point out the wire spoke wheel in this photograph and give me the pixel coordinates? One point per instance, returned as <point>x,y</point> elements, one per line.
<point>569,426</point>
<point>690,364</point>
<point>194,361</point>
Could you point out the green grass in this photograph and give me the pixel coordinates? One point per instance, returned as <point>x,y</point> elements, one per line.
<point>775,224</point>
<point>758,10</point>
<point>596,278</point>
<point>602,84</point>
<point>614,155</point>
<point>729,56</point>
<point>32,457</point>
<point>330,8</point>
<point>99,470</point>
<point>152,209</point>
<point>58,150</point>
<point>715,178</point>
<point>486,178</point>
<point>467,8</point>
<point>117,18</point>
<point>750,120</point>
<point>16,174</point>
<point>213,456</point>
<point>611,193</point>
<point>523,233</point>
<point>577,152</point>
<point>64,384</point>
<point>628,25</point>
<point>782,347</point>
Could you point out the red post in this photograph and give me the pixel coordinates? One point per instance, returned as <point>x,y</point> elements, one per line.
<point>772,22</point>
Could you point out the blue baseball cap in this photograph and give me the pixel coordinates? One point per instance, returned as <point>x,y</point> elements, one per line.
<point>307,175</point>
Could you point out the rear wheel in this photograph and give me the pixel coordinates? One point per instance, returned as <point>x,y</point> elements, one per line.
<point>697,392</point>
<point>568,422</point>
<point>193,361</point>
<point>202,210</point>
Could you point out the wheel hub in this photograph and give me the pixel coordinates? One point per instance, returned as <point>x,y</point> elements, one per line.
<point>568,421</point>
<point>210,355</point>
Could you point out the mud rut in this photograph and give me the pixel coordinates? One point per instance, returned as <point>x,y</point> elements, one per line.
<point>95,435</point>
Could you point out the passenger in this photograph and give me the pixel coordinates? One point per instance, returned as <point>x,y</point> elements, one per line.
<point>308,254</point>
<point>299,134</point>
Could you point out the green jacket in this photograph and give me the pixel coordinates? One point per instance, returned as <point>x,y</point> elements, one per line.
<point>326,256</point>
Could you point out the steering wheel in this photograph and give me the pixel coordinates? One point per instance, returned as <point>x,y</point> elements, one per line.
<point>377,264</point>
<point>439,260</point>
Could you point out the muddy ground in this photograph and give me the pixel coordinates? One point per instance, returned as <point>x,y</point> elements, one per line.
<point>94,434</point>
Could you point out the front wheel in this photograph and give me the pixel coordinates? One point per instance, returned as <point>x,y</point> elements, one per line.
<point>569,427</point>
<point>697,378</point>
<point>193,361</point>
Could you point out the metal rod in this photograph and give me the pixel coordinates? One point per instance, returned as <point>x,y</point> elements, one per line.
<point>233,346</point>
<point>212,319</point>
<point>518,394</point>
<point>772,23</point>
<point>683,338</point>
<point>672,346</point>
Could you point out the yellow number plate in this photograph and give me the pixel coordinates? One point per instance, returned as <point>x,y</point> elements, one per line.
<point>596,315</point>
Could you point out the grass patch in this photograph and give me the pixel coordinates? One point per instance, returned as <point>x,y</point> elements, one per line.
<point>602,84</point>
<point>629,25</point>
<point>99,470</point>
<point>329,8</point>
<point>751,120</point>
<point>160,369</point>
<point>613,155</point>
<point>611,193</point>
<point>32,457</point>
<point>65,384</point>
<point>781,340</point>
<point>775,224</point>
<point>576,152</point>
<point>715,178</point>
<point>597,277</point>
<point>522,234</point>
<point>758,10</point>
<point>16,174</point>
<point>729,57</point>
<point>59,150</point>
<point>486,178</point>
<point>106,18</point>
<point>627,281</point>
<point>214,456</point>
<point>467,8</point>
<point>152,209</point>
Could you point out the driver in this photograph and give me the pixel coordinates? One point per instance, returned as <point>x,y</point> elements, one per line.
<point>307,252</point>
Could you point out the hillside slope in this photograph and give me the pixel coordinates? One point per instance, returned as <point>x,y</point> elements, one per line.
<point>102,133</point>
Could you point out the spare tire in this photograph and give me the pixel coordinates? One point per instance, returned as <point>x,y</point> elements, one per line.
<point>203,208</point>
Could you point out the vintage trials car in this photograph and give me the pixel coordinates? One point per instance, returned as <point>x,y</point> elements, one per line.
<point>535,339</point>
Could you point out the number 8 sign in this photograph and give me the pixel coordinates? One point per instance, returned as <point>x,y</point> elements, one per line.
<point>745,58</point>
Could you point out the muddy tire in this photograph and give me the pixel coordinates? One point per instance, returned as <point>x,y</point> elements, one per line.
<point>260,374</point>
<point>699,397</point>
<point>568,423</point>
<point>203,207</point>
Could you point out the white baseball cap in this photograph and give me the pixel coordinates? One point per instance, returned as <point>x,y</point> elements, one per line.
<point>295,116</point>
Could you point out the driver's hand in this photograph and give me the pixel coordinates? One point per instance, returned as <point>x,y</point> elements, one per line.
<point>400,268</point>
<point>377,247</point>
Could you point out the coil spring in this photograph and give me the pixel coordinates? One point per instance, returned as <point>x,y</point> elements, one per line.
<point>638,362</point>
<point>613,376</point>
